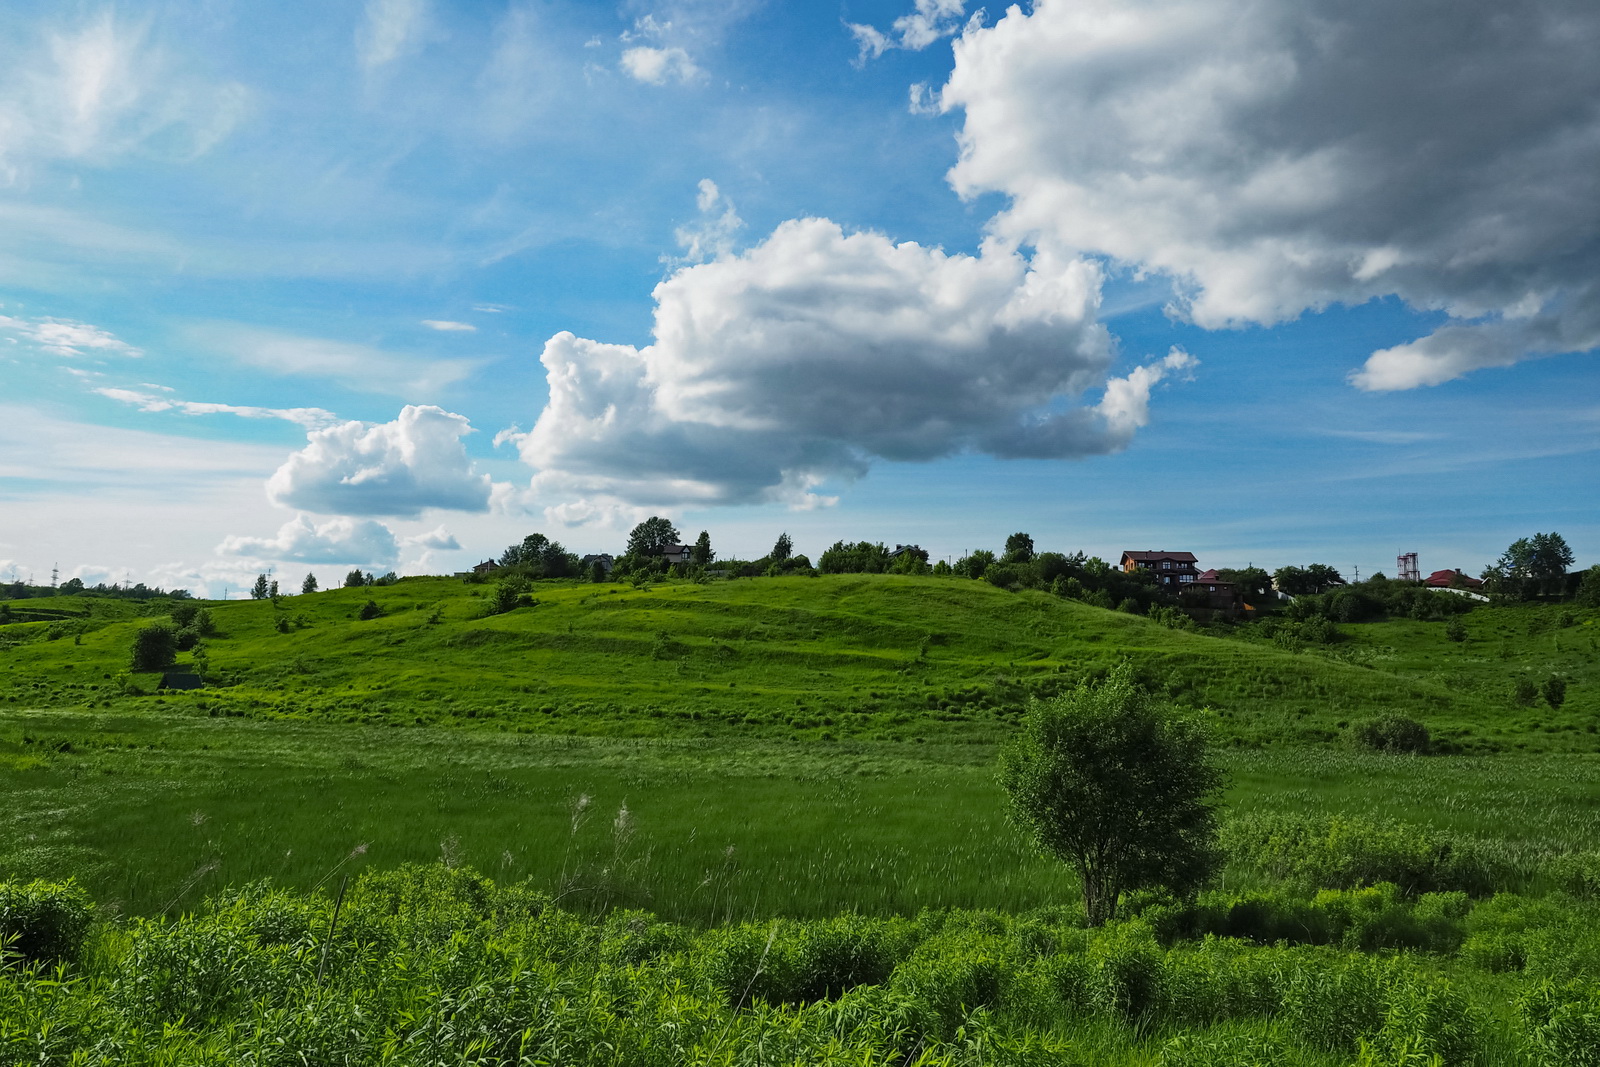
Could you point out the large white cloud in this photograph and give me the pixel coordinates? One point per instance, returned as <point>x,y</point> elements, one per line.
<point>1274,156</point>
<point>815,352</point>
<point>392,468</point>
<point>351,541</point>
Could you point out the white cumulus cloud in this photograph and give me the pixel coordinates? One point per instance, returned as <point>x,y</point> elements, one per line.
<point>438,539</point>
<point>657,66</point>
<point>1275,156</point>
<point>342,540</point>
<point>392,468</point>
<point>929,21</point>
<point>713,233</point>
<point>815,352</point>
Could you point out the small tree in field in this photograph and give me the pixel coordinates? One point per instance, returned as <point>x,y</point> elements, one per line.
<point>155,647</point>
<point>261,589</point>
<point>702,554</point>
<point>1116,787</point>
<point>309,585</point>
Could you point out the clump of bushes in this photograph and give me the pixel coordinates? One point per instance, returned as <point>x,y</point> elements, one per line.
<point>460,966</point>
<point>44,922</point>
<point>1392,732</point>
<point>155,647</point>
<point>1345,852</point>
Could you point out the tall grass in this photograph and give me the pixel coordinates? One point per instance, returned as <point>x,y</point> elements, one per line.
<point>153,813</point>
<point>431,964</point>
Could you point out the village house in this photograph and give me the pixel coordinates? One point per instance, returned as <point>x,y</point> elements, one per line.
<point>1221,595</point>
<point>675,553</point>
<point>1174,571</point>
<point>1448,579</point>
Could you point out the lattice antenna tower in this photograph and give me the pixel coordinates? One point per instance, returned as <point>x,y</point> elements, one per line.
<point>1406,564</point>
<point>55,575</point>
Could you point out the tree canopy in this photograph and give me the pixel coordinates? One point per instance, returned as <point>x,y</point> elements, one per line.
<point>701,554</point>
<point>1530,566</point>
<point>539,557</point>
<point>1019,548</point>
<point>651,536</point>
<point>155,647</point>
<point>1300,581</point>
<point>1117,787</point>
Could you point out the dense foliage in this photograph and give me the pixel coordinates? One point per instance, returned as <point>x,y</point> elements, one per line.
<point>437,964</point>
<point>1118,788</point>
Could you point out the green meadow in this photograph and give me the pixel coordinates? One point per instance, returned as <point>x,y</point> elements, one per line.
<point>832,658</point>
<point>732,770</point>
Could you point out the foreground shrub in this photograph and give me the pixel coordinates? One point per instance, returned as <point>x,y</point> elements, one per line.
<point>44,922</point>
<point>1563,1023</point>
<point>1226,1048</point>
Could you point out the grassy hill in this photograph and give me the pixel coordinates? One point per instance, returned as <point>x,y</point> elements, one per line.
<point>840,657</point>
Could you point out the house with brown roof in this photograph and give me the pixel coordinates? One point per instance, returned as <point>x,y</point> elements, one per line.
<point>1220,595</point>
<point>1174,571</point>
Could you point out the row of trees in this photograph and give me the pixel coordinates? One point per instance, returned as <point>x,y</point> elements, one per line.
<point>76,587</point>
<point>1531,566</point>
<point>266,586</point>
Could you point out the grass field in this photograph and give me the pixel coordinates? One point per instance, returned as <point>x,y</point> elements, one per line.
<point>153,811</point>
<point>834,658</point>
<point>756,759</point>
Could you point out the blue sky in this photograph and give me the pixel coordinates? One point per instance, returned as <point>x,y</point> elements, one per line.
<point>391,284</point>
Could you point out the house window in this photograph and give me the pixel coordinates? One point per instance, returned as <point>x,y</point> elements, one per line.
<point>1166,564</point>
<point>1185,577</point>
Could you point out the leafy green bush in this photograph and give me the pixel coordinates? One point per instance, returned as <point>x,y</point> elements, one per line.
<point>370,610</point>
<point>1392,732</point>
<point>1344,852</point>
<point>155,647</point>
<point>44,922</point>
<point>1563,1023</point>
<point>1231,1047</point>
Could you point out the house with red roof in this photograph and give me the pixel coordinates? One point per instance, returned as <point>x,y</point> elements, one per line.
<point>1448,579</point>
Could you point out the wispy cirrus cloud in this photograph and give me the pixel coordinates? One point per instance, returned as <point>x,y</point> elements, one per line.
<point>311,418</point>
<point>362,367</point>
<point>390,29</point>
<point>64,337</point>
<point>93,87</point>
